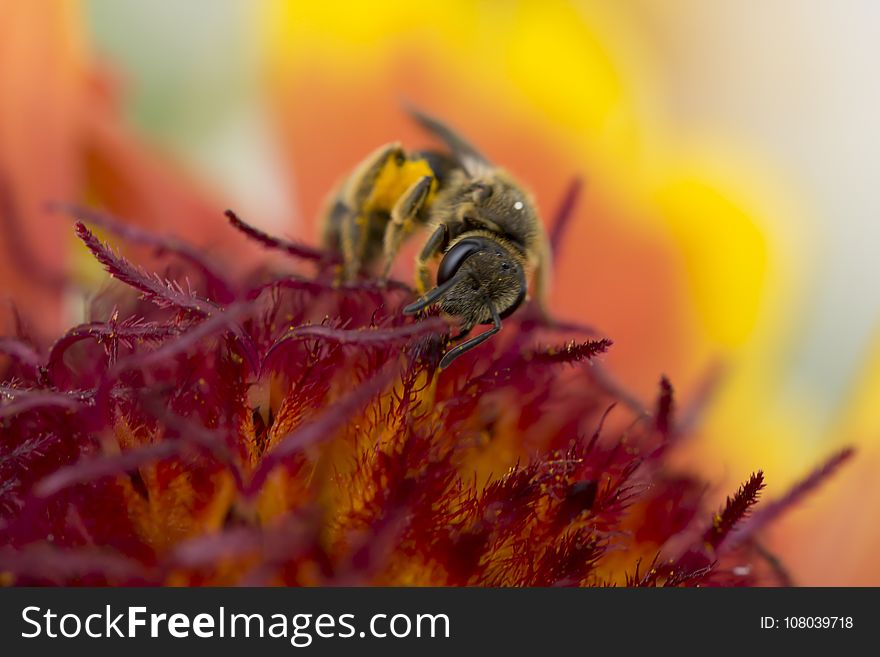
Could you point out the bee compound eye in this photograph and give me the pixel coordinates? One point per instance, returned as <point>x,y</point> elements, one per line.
<point>455,256</point>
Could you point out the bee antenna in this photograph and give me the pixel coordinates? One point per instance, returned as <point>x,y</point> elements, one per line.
<point>452,354</point>
<point>433,296</point>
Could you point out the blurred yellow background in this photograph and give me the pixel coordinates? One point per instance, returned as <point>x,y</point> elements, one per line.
<point>728,218</point>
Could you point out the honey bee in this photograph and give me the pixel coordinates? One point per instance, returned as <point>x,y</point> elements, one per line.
<point>484,228</point>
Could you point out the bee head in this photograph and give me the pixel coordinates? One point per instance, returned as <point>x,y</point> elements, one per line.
<point>477,273</point>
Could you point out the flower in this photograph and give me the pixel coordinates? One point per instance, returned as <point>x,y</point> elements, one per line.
<point>546,89</point>
<point>280,428</point>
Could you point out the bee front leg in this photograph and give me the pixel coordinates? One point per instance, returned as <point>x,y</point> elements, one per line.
<point>403,217</point>
<point>455,352</point>
<point>433,246</point>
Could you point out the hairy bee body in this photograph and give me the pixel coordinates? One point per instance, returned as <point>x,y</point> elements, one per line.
<point>357,218</point>
<point>388,184</point>
<point>483,226</point>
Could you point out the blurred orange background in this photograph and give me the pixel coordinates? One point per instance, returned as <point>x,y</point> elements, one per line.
<point>722,225</point>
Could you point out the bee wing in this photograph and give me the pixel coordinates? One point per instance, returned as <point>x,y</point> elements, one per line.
<point>471,160</point>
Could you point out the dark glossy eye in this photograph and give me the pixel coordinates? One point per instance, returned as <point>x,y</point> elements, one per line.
<point>457,255</point>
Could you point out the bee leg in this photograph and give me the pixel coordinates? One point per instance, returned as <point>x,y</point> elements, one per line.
<point>350,234</point>
<point>541,292</point>
<point>355,225</point>
<point>403,216</point>
<point>432,247</point>
<point>454,353</point>
<point>542,279</point>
